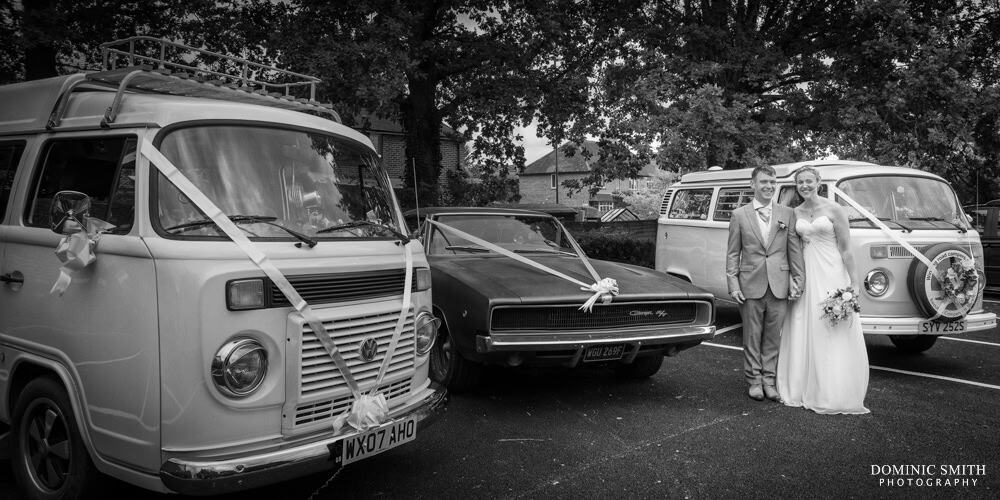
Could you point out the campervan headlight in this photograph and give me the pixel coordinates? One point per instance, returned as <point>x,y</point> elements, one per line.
<point>877,283</point>
<point>426,327</point>
<point>239,367</point>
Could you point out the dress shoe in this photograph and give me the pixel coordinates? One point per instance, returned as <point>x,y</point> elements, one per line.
<point>771,393</point>
<point>756,392</point>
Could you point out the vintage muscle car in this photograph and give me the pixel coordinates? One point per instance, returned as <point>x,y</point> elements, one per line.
<point>497,310</point>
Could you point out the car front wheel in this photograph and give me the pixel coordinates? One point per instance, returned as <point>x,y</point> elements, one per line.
<point>49,459</point>
<point>448,367</point>
<point>641,368</point>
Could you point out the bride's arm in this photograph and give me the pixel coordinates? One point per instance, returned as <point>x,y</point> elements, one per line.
<point>842,229</point>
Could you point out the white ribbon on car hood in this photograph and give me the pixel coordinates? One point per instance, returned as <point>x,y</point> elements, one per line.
<point>367,410</point>
<point>603,289</point>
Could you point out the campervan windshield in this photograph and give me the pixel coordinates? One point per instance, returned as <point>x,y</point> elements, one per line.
<point>270,180</point>
<point>912,203</point>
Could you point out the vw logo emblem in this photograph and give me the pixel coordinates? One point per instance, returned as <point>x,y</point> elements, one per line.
<point>368,349</point>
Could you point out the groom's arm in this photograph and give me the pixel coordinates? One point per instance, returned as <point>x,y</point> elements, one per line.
<point>734,247</point>
<point>795,259</point>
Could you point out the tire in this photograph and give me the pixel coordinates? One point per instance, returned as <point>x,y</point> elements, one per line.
<point>49,458</point>
<point>926,291</point>
<point>448,367</point>
<point>640,368</point>
<point>913,345</point>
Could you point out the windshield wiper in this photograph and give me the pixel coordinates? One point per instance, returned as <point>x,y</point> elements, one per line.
<point>404,239</point>
<point>247,219</point>
<point>466,248</point>
<point>938,219</point>
<point>544,250</point>
<point>883,219</point>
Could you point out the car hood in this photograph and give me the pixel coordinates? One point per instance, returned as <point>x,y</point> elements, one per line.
<point>500,277</point>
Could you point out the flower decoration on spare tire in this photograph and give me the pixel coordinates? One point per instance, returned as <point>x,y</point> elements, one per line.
<point>949,287</point>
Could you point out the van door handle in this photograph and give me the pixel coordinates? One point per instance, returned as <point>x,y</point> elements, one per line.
<point>14,277</point>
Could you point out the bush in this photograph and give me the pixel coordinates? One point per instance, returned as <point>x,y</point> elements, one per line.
<point>618,247</point>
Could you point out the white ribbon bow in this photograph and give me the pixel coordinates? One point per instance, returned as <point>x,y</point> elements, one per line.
<point>76,251</point>
<point>366,412</point>
<point>604,289</point>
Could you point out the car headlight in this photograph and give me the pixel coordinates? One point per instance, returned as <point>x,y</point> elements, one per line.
<point>877,283</point>
<point>239,367</point>
<point>426,327</point>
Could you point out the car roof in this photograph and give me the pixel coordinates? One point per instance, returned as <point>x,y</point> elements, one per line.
<point>828,169</point>
<point>426,211</point>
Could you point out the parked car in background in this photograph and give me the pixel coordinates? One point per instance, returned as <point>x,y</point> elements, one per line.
<point>986,220</point>
<point>496,310</point>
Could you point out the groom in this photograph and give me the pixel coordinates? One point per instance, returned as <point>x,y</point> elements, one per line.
<point>764,268</point>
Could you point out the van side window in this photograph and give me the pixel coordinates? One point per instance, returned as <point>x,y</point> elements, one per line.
<point>102,168</point>
<point>10,156</point>
<point>730,199</point>
<point>690,204</point>
<point>789,197</point>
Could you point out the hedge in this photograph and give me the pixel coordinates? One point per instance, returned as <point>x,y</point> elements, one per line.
<point>618,247</point>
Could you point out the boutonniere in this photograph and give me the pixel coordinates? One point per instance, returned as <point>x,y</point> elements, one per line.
<point>781,226</point>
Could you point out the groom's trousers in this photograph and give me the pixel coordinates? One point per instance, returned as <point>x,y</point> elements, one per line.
<point>762,321</point>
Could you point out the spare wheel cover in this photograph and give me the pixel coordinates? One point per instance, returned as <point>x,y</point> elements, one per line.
<point>929,294</point>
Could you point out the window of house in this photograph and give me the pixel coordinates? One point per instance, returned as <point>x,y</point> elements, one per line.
<point>690,204</point>
<point>633,184</point>
<point>604,206</point>
<point>553,181</point>
<point>730,199</point>
<point>102,168</point>
<point>10,156</point>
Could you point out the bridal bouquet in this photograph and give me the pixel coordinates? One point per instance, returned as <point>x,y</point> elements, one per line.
<point>840,304</point>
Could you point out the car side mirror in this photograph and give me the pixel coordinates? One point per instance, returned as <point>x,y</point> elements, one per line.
<point>69,212</point>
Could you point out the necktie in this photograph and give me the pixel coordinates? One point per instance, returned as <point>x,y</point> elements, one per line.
<point>765,214</point>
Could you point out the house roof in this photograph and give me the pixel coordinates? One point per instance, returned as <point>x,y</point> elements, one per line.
<point>576,163</point>
<point>368,122</point>
<point>619,214</point>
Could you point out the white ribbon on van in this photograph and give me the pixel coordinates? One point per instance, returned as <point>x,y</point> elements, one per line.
<point>903,243</point>
<point>603,288</point>
<point>76,251</point>
<point>366,410</point>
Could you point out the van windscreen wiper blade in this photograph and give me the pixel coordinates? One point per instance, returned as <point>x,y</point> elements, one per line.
<point>939,219</point>
<point>883,219</point>
<point>404,239</point>
<point>246,219</point>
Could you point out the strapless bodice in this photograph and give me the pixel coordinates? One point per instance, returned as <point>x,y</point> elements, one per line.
<point>820,229</point>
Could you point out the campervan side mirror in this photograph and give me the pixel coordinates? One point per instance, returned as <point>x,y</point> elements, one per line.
<point>69,212</point>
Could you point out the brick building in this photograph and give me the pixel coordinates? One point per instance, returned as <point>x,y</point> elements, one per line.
<point>390,142</point>
<point>540,179</point>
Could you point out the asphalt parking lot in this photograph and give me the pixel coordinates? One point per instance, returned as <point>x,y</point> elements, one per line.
<point>691,432</point>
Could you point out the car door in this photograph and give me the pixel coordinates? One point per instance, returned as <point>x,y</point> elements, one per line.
<point>990,236</point>
<point>102,330</point>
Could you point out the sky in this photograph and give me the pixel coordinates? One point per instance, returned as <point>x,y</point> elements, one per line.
<point>534,147</point>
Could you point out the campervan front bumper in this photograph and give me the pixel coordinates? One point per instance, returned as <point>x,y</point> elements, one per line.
<point>191,477</point>
<point>918,326</point>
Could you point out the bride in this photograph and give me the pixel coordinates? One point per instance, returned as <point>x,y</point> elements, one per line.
<point>822,367</point>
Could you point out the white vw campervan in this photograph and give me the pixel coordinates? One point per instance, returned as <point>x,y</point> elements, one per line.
<point>890,209</point>
<point>205,231</point>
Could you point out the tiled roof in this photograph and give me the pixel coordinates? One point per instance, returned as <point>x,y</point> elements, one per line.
<point>367,122</point>
<point>576,163</point>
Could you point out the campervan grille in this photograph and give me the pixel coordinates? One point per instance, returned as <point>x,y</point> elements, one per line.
<point>319,375</point>
<point>328,409</point>
<point>898,252</point>
<point>342,287</point>
<point>666,202</point>
<point>570,317</point>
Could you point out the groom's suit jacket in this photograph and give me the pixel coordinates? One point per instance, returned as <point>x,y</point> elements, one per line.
<point>753,264</point>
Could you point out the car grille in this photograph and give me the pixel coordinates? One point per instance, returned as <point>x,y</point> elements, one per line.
<point>323,410</point>
<point>570,317</point>
<point>342,287</point>
<point>319,375</point>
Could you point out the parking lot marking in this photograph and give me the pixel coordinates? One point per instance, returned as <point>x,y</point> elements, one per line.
<point>992,301</point>
<point>970,340</point>
<point>918,374</point>
<point>728,328</point>
<point>940,377</point>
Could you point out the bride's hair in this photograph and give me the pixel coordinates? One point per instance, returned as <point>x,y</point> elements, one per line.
<point>805,169</point>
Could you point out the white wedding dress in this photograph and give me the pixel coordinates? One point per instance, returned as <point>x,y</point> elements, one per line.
<point>820,367</point>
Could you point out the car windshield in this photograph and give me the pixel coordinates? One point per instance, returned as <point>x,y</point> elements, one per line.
<point>517,233</point>
<point>272,180</point>
<point>911,202</point>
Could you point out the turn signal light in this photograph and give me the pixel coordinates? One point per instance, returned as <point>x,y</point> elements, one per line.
<point>422,277</point>
<point>880,252</point>
<point>245,294</point>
